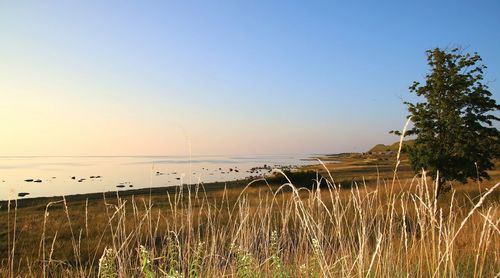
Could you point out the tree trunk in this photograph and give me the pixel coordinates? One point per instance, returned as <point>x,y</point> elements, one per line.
<point>440,184</point>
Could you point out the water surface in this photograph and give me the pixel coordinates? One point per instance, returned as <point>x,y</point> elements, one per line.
<point>77,175</point>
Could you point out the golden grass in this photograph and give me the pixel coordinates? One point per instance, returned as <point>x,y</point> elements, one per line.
<point>394,229</point>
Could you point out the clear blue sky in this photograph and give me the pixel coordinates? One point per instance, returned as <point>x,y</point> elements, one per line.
<point>222,77</point>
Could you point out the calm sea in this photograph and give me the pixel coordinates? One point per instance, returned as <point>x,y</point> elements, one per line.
<point>55,176</point>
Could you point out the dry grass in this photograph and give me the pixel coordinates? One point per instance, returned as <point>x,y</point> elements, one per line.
<point>394,229</point>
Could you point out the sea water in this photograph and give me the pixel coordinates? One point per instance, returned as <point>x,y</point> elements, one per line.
<point>42,176</point>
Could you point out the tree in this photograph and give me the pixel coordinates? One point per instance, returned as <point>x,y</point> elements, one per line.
<point>453,126</point>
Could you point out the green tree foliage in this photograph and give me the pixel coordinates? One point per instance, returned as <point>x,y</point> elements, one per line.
<point>453,125</point>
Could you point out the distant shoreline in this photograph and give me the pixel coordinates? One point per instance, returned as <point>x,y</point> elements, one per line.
<point>37,177</point>
<point>212,186</point>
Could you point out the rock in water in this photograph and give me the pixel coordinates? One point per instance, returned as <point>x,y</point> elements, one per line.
<point>22,194</point>
<point>28,180</point>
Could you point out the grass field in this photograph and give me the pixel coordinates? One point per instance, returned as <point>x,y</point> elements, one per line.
<point>356,217</point>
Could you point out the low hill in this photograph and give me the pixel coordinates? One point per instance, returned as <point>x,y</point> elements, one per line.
<point>381,148</point>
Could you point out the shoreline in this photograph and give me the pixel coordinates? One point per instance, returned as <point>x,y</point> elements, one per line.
<point>25,196</point>
<point>161,190</point>
<point>345,168</point>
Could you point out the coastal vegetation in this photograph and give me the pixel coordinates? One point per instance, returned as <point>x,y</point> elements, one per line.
<point>354,215</point>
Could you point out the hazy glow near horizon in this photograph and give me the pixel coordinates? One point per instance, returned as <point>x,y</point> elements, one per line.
<point>173,78</point>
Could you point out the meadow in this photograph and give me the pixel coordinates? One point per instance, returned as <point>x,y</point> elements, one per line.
<point>366,215</point>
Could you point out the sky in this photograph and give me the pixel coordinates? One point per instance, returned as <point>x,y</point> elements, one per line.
<point>222,77</point>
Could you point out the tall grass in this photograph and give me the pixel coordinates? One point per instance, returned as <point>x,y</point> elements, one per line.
<point>396,229</point>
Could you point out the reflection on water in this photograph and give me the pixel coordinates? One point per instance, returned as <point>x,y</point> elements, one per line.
<point>54,176</point>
